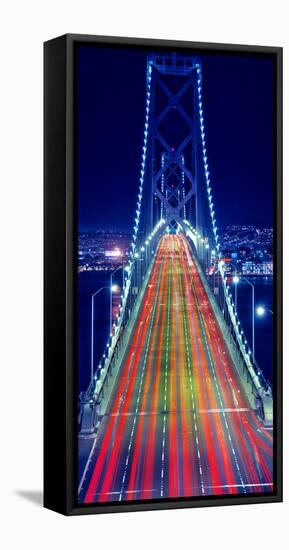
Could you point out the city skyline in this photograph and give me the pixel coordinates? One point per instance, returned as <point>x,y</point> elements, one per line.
<point>250,247</point>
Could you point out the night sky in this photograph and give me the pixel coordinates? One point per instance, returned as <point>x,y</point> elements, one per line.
<point>238,111</point>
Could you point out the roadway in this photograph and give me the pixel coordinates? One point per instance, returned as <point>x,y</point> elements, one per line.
<point>178,423</point>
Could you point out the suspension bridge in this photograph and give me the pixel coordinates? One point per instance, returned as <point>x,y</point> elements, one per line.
<point>177,406</point>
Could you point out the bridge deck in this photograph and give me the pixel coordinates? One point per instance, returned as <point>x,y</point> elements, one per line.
<point>178,422</point>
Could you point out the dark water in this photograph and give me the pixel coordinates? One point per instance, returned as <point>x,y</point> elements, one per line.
<point>89,282</point>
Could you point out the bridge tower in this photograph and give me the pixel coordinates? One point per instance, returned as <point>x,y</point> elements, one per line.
<point>175,179</point>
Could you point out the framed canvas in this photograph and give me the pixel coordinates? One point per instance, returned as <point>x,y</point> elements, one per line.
<point>163,274</point>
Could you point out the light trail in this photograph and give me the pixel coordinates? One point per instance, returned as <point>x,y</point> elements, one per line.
<point>178,422</point>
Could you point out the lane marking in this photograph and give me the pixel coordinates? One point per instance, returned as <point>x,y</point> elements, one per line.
<point>168,329</point>
<point>177,411</point>
<point>227,486</point>
<point>83,477</point>
<point>147,349</point>
<point>190,368</point>
<point>211,364</point>
<point>241,485</point>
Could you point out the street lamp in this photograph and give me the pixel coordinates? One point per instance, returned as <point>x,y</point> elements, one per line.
<point>147,254</point>
<point>143,259</point>
<point>117,269</point>
<point>127,270</point>
<point>261,310</point>
<point>253,316</point>
<point>92,333</point>
<point>220,265</point>
<point>138,268</point>
<point>112,288</point>
<point>207,246</point>
<point>236,280</point>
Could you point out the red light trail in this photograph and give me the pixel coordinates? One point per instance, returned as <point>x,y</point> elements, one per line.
<point>178,422</point>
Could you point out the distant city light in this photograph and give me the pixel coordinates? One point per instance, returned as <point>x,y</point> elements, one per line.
<point>260,310</point>
<point>114,288</point>
<point>236,279</point>
<point>116,253</point>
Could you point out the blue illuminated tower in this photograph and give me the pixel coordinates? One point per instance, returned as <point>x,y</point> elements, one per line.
<point>173,140</point>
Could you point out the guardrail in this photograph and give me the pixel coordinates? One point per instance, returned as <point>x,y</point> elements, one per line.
<point>260,392</point>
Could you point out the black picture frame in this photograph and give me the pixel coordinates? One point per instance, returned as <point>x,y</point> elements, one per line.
<point>60,202</point>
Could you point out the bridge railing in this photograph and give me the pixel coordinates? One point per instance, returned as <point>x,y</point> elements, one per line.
<point>213,272</point>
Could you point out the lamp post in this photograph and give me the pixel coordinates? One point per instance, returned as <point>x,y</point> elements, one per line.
<point>92,334</point>
<point>112,288</point>
<point>221,300</point>
<point>253,316</point>
<point>261,309</point>
<point>213,263</point>
<point>127,270</point>
<point>136,255</point>
<point>142,259</point>
<point>207,246</point>
<point>203,255</point>
<point>146,254</point>
<point>236,280</point>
